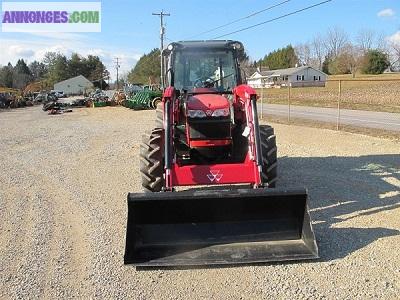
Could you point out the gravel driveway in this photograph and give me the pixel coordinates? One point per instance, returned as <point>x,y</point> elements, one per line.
<point>63,186</point>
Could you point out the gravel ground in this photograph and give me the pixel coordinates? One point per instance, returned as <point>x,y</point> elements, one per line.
<point>63,186</point>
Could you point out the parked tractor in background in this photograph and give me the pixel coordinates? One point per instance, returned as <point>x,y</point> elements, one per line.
<point>207,134</point>
<point>146,98</point>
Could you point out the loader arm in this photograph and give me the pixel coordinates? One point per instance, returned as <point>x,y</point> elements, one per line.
<point>245,105</point>
<point>170,113</point>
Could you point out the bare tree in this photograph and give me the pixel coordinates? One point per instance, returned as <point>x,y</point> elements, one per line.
<point>353,58</point>
<point>381,43</point>
<point>336,39</point>
<point>318,50</point>
<point>303,52</point>
<point>366,39</point>
<point>395,55</point>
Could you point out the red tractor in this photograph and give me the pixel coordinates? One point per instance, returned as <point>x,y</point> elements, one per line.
<point>207,133</point>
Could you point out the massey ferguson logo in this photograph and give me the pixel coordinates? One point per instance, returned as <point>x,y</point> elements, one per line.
<point>209,113</point>
<point>215,176</point>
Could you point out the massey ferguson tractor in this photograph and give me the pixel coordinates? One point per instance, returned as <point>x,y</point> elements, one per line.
<point>207,137</point>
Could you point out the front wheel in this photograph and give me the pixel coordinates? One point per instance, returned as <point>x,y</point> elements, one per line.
<point>269,156</point>
<point>152,160</point>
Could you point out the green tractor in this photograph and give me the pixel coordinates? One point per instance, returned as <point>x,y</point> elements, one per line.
<point>148,98</point>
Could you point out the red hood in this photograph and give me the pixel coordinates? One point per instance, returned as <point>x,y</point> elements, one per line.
<point>207,102</point>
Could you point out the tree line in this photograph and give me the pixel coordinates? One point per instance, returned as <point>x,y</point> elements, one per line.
<point>54,67</point>
<point>333,52</point>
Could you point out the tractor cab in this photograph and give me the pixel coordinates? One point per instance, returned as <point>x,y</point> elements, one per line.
<point>204,66</point>
<point>205,74</point>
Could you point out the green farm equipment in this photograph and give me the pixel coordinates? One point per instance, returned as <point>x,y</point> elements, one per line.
<point>146,99</point>
<point>100,104</point>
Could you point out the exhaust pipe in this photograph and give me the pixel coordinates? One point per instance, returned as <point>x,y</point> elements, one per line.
<point>218,227</point>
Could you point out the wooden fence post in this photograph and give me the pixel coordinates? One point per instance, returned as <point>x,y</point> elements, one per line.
<point>289,103</point>
<point>262,99</point>
<point>338,105</point>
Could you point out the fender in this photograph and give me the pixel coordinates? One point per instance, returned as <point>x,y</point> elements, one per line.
<point>169,93</point>
<point>244,93</point>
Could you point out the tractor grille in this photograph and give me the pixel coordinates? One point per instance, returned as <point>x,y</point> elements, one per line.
<point>208,129</point>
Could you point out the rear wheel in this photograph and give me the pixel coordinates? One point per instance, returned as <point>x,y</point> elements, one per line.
<point>270,156</point>
<point>151,160</point>
<point>155,102</point>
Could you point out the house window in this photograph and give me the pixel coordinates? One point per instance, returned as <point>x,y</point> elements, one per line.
<point>319,78</point>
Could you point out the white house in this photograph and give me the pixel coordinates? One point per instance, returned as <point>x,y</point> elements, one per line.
<point>74,86</point>
<point>304,76</point>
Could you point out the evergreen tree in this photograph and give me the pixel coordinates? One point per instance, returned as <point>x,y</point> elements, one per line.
<point>94,68</point>
<point>57,66</point>
<point>77,66</point>
<point>376,62</point>
<point>38,70</point>
<point>148,67</point>
<point>21,75</point>
<point>6,76</point>
<point>325,65</point>
<point>281,58</point>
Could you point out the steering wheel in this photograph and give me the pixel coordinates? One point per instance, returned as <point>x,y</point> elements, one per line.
<point>200,82</point>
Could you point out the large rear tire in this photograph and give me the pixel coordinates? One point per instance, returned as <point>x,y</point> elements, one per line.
<point>151,160</point>
<point>159,115</point>
<point>270,156</point>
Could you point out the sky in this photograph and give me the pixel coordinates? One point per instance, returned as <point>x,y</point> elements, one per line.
<point>129,29</point>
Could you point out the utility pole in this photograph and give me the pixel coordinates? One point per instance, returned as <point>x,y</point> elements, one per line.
<point>162,32</point>
<point>117,66</point>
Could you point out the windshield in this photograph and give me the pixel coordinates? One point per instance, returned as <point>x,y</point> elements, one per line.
<point>214,69</point>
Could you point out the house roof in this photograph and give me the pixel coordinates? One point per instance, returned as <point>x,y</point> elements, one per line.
<point>79,78</point>
<point>284,72</point>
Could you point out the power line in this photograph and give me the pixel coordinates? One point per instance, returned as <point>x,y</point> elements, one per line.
<point>241,19</point>
<point>274,19</point>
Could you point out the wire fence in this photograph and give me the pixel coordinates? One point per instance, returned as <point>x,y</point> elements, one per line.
<point>373,103</point>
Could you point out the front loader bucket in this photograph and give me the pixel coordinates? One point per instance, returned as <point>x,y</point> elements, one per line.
<point>218,227</point>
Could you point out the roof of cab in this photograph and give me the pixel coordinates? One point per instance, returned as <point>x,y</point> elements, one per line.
<point>206,44</point>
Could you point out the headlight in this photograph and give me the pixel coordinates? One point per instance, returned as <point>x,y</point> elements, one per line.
<point>196,114</point>
<point>224,112</point>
